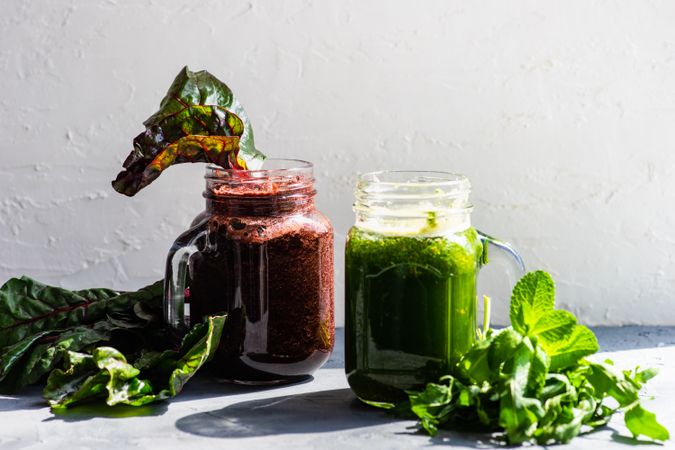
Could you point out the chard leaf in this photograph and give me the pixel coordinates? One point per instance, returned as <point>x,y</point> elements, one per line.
<point>107,374</point>
<point>47,355</point>
<point>79,381</point>
<point>122,384</point>
<point>199,353</point>
<point>28,307</point>
<point>532,297</point>
<point>566,353</point>
<point>54,321</point>
<point>199,120</point>
<point>642,422</point>
<point>12,354</point>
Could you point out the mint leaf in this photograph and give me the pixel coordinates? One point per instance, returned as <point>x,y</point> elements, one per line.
<point>474,364</point>
<point>532,297</point>
<point>642,376</point>
<point>565,353</point>
<point>432,405</point>
<point>504,345</point>
<point>607,381</point>
<point>554,326</point>
<point>519,413</point>
<point>642,422</point>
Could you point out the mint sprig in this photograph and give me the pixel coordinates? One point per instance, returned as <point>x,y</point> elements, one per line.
<point>531,381</point>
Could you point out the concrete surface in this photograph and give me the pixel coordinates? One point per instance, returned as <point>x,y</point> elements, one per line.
<point>560,113</point>
<point>321,414</point>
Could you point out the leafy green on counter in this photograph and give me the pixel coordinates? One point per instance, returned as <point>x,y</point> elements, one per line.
<point>199,120</point>
<point>39,324</point>
<point>27,306</point>
<point>531,381</point>
<point>96,344</point>
<point>106,374</point>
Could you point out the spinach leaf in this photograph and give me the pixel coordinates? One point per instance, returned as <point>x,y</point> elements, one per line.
<point>199,120</point>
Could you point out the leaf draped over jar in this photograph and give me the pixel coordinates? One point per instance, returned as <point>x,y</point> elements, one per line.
<point>199,120</point>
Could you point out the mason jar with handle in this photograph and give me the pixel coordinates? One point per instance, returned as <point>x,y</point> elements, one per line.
<point>262,254</point>
<point>412,261</point>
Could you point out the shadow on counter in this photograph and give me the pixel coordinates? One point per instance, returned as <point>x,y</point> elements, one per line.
<point>313,412</point>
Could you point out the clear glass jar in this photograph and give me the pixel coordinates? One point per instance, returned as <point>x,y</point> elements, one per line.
<point>412,260</point>
<point>262,253</point>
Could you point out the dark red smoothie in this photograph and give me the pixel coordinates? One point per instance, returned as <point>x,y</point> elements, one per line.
<point>266,259</point>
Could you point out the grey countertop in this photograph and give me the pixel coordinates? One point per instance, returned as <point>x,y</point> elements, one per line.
<point>321,413</point>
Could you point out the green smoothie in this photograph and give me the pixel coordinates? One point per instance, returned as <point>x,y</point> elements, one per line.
<point>411,309</point>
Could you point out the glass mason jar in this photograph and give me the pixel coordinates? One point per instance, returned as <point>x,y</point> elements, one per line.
<point>412,260</point>
<point>262,253</point>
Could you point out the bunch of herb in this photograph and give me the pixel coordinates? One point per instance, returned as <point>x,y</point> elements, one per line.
<point>89,332</point>
<point>532,381</point>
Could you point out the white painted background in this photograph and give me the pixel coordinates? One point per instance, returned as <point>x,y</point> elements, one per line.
<point>561,113</point>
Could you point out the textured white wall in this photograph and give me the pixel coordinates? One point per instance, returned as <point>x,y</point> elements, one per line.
<point>561,113</point>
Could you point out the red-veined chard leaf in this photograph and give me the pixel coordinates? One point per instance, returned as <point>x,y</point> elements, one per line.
<point>40,324</point>
<point>28,307</point>
<point>199,120</point>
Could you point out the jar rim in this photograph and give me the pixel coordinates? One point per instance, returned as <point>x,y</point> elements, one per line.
<point>287,178</point>
<point>405,201</point>
<point>413,184</point>
<point>424,178</point>
<point>271,168</point>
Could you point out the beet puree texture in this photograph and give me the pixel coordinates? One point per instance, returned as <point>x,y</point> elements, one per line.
<point>267,261</point>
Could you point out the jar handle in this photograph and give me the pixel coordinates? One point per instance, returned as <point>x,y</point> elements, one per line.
<point>504,247</point>
<point>175,281</point>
